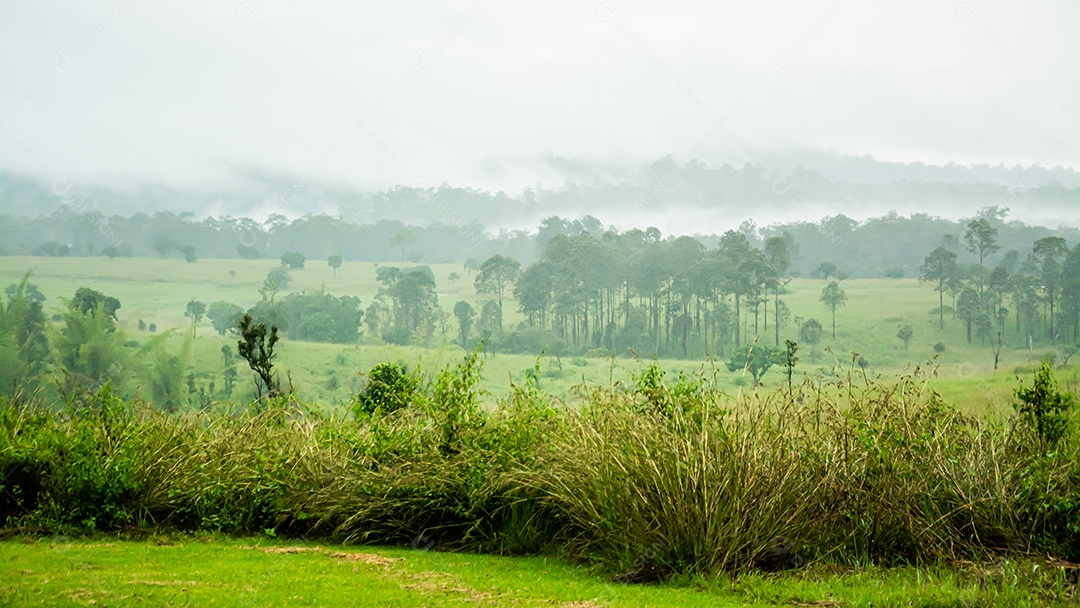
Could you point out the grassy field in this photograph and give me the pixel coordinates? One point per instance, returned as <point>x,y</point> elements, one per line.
<point>157,290</point>
<point>262,572</point>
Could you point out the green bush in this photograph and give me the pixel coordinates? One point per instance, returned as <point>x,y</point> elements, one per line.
<point>1042,408</point>
<point>389,387</point>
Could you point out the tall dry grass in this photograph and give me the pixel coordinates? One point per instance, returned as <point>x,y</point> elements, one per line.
<point>655,477</point>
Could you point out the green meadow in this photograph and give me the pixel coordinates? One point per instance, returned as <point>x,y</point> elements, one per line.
<point>156,291</point>
<point>216,571</point>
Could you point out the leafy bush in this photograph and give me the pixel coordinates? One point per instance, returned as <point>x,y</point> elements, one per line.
<point>390,386</point>
<point>1042,408</point>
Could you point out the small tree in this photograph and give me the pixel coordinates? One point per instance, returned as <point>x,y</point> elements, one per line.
<point>756,358</point>
<point>256,346</point>
<point>788,360</point>
<point>195,311</point>
<point>905,334</point>
<point>276,280</point>
<point>834,297</point>
<point>939,267</point>
<point>334,262</point>
<point>189,254</point>
<point>293,259</point>
<point>810,332</point>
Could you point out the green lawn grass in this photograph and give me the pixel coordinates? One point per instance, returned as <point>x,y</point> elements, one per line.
<point>263,572</point>
<point>157,290</point>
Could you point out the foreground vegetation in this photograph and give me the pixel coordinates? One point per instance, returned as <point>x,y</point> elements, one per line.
<point>643,481</point>
<point>208,569</point>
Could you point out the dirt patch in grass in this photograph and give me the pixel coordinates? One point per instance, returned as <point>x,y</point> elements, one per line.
<point>370,559</point>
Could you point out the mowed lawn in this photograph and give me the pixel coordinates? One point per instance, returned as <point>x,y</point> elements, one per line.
<point>157,290</point>
<point>188,571</point>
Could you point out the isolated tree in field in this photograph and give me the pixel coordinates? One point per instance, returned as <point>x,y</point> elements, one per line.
<point>224,316</point>
<point>496,274</point>
<point>755,358</point>
<point>453,276</point>
<point>256,346</point>
<point>939,267</point>
<point>334,262</point>
<point>465,315</point>
<point>293,259</point>
<point>402,238</point>
<point>810,332</point>
<point>834,297</point>
<point>195,311</point>
<point>189,254</point>
<point>905,334</point>
<point>826,270</point>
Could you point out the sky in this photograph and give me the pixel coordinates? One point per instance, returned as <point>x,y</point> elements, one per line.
<point>375,94</point>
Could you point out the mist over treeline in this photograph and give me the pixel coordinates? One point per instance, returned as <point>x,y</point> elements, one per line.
<point>890,245</point>
<point>682,196</point>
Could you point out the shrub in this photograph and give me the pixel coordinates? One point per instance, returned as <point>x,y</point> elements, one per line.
<point>1042,408</point>
<point>390,386</point>
<point>650,480</point>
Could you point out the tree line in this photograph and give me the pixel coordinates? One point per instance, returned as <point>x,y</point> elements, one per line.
<point>886,246</point>
<point>1032,296</point>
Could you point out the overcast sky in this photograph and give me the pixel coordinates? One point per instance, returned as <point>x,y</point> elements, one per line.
<point>383,93</point>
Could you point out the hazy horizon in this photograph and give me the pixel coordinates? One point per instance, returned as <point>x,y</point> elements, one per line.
<point>484,95</point>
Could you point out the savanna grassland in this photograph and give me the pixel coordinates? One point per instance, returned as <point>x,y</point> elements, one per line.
<point>156,291</point>
<point>512,479</point>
